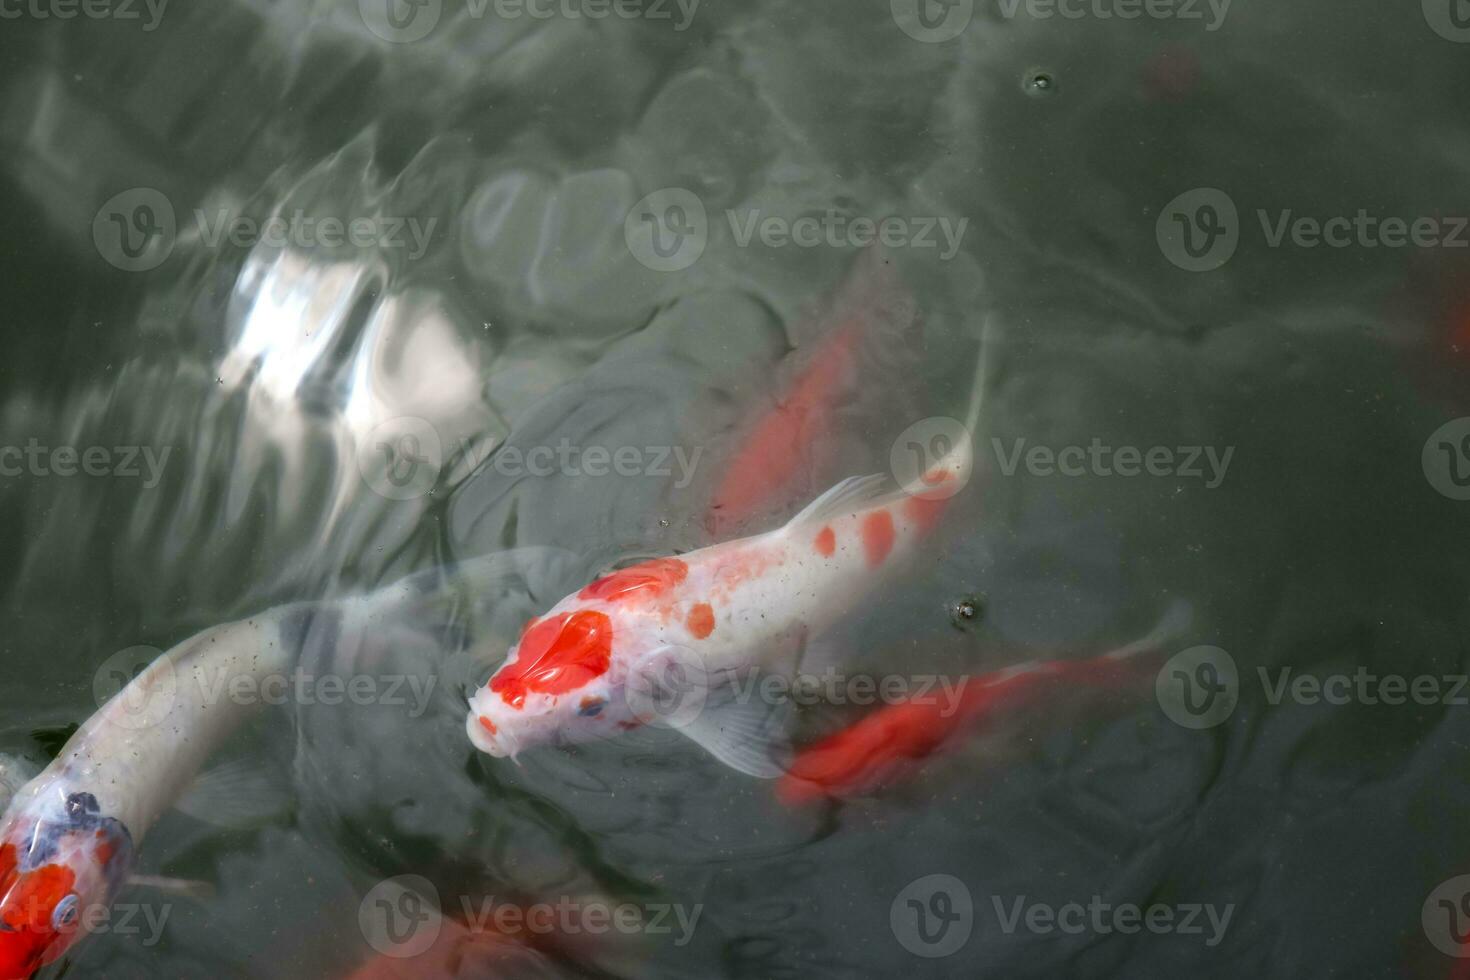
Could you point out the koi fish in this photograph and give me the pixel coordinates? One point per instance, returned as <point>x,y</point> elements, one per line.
<point>70,836</point>
<point>677,630</point>
<point>793,436</point>
<point>475,945</point>
<point>890,742</point>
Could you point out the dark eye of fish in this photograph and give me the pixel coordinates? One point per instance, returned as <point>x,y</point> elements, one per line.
<point>65,913</point>
<point>591,707</point>
<point>81,804</point>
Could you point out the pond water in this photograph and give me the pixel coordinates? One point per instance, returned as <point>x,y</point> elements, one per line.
<point>307,301</point>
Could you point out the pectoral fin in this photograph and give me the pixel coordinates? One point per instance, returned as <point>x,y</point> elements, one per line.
<point>743,729</point>
<point>235,795</point>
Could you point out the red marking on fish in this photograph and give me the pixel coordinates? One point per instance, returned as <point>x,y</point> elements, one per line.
<point>877,536</point>
<point>488,725</point>
<point>871,310</point>
<point>887,743</point>
<point>923,511</point>
<point>701,620</point>
<point>556,656</point>
<point>776,447</point>
<point>646,580</point>
<point>28,940</point>
<point>826,542</point>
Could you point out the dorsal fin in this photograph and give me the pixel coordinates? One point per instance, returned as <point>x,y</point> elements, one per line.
<point>846,497</point>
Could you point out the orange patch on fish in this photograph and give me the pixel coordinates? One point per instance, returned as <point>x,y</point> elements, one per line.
<point>924,512</point>
<point>826,542</point>
<point>701,620</point>
<point>877,536</point>
<point>556,656</point>
<point>645,580</point>
<point>7,868</point>
<point>30,901</point>
<point>488,725</point>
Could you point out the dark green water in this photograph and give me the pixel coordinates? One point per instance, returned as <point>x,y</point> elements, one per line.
<point>1229,233</point>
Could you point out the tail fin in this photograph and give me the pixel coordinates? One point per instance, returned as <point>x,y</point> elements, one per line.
<point>958,463</point>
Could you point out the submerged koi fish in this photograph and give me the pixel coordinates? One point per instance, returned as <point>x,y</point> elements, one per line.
<point>680,629</point>
<point>792,438</point>
<point>69,837</point>
<point>893,740</point>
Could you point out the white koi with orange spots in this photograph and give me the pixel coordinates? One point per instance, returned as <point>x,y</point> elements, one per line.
<point>603,659</point>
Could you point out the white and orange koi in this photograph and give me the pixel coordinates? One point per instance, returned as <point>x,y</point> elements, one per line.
<point>69,837</point>
<point>680,629</point>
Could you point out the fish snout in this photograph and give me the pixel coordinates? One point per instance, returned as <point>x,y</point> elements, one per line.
<point>489,738</point>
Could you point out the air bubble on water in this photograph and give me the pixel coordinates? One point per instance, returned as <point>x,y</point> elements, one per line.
<point>967,612</point>
<point>1039,83</point>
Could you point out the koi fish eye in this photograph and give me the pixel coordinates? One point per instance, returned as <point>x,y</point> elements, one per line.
<point>66,913</point>
<point>78,805</point>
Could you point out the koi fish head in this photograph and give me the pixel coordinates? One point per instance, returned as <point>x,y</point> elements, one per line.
<point>556,686</point>
<point>59,857</point>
